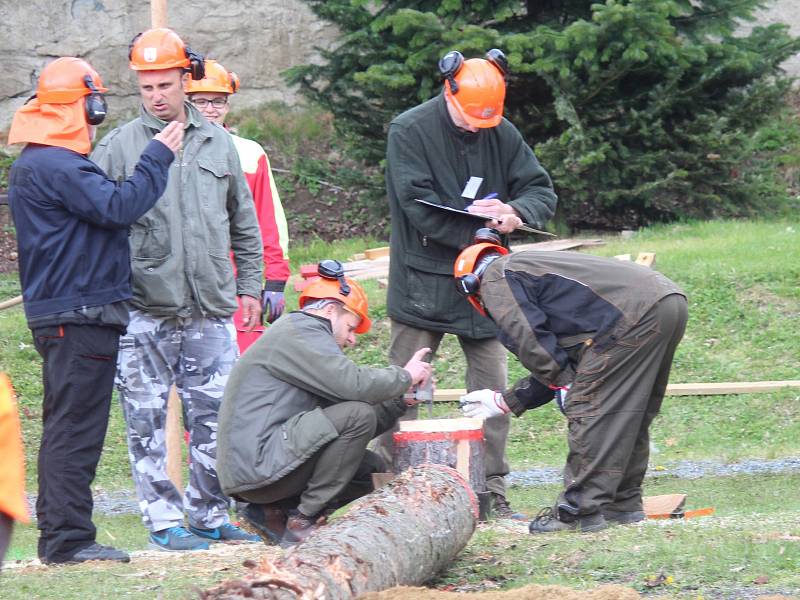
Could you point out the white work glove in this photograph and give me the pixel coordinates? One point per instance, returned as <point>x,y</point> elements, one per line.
<point>483,404</point>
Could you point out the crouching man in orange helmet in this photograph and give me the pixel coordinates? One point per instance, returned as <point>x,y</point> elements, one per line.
<point>74,265</point>
<point>298,414</point>
<point>603,329</point>
<point>211,96</point>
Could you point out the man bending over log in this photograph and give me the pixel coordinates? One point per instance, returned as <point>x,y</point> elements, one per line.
<point>298,414</point>
<point>606,330</point>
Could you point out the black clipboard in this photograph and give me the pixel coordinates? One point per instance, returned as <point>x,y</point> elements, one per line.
<point>483,217</point>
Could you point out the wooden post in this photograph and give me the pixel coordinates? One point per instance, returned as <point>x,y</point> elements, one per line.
<point>173,430</point>
<point>158,13</point>
<point>402,534</point>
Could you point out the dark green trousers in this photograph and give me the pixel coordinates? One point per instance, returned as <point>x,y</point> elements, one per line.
<point>338,473</point>
<point>616,395</point>
<point>487,367</point>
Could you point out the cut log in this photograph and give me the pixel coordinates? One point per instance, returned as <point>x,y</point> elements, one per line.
<point>402,534</point>
<point>457,443</point>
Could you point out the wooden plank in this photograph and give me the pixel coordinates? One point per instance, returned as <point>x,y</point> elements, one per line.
<point>646,259</point>
<point>158,13</point>
<point>173,432</point>
<point>373,253</point>
<point>661,507</point>
<point>673,389</point>
<point>553,245</point>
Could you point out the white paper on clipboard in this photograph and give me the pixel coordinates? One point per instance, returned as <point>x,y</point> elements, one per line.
<point>483,217</point>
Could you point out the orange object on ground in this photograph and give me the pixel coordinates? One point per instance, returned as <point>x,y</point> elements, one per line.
<point>12,461</point>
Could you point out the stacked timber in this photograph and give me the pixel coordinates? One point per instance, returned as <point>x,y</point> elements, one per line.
<point>401,534</point>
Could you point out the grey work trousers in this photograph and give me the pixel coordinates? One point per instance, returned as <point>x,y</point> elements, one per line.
<point>487,368</point>
<point>339,472</point>
<point>616,394</point>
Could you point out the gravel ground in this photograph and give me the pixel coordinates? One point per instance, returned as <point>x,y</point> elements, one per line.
<point>118,502</point>
<point>683,470</point>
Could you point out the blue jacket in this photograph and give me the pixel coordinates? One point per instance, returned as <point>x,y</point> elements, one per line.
<point>72,225</point>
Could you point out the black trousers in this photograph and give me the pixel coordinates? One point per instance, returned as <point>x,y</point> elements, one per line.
<point>78,376</point>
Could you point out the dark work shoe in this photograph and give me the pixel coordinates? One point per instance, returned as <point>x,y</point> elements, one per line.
<point>94,552</point>
<point>623,517</point>
<point>547,522</point>
<point>176,539</point>
<point>267,520</point>
<point>502,509</point>
<point>299,527</point>
<point>227,532</point>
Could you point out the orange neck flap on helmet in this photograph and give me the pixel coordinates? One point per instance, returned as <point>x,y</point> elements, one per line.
<point>62,125</point>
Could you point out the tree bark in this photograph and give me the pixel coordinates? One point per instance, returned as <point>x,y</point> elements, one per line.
<point>402,534</point>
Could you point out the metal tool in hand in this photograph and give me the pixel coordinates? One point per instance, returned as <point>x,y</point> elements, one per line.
<point>422,393</point>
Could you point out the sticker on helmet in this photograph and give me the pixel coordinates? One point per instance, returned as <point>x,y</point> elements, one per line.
<point>150,54</point>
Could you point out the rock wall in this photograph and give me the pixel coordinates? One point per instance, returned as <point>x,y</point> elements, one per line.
<point>255,38</point>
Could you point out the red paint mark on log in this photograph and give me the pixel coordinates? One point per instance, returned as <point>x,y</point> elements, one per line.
<point>405,437</point>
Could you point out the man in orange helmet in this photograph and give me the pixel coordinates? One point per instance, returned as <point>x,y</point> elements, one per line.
<point>603,329</point>
<point>185,292</point>
<point>211,96</point>
<point>74,265</point>
<point>298,414</point>
<point>457,150</point>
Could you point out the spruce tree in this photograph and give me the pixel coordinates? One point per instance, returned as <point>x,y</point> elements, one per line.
<point>641,110</point>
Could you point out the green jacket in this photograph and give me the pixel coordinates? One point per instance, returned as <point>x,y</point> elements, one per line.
<point>180,249</point>
<point>552,307</point>
<point>271,419</point>
<point>429,158</point>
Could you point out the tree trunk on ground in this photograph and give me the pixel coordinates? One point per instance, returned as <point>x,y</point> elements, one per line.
<point>402,534</point>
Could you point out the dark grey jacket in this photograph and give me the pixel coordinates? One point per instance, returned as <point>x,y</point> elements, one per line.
<point>428,157</point>
<point>271,419</point>
<point>550,306</point>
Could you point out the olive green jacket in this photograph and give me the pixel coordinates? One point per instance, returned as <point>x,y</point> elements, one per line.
<point>429,158</point>
<point>271,419</point>
<point>180,248</point>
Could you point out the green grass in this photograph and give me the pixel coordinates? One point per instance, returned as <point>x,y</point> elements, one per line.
<point>742,279</point>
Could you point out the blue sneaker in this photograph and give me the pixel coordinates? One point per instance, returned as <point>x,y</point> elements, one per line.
<point>176,539</point>
<point>227,532</point>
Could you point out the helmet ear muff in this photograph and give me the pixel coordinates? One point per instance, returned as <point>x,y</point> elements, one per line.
<point>449,66</point>
<point>197,67</point>
<point>468,284</point>
<point>95,103</point>
<point>234,80</point>
<point>498,58</point>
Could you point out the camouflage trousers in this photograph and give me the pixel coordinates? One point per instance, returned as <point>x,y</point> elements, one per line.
<point>196,354</point>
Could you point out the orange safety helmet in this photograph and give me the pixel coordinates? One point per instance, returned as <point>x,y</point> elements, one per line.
<point>69,98</point>
<point>64,81</point>
<point>161,48</point>
<point>217,80</point>
<point>470,266</point>
<point>476,88</point>
<point>332,284</point>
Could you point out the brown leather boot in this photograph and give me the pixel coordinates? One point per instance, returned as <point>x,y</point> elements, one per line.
<point>266,520</point>
<point>300,526</point>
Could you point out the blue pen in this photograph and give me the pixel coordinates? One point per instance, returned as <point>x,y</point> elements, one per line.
<point>491,196</point>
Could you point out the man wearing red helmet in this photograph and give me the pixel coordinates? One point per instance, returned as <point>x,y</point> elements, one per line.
<point>211,96</point>
<point>457,150</point>
<point>298,414</point>
<point>185,291</point>
<point>74,265</point>
<point>603,329</point>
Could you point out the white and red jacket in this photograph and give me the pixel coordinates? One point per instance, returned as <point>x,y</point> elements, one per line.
<point>271,220</point>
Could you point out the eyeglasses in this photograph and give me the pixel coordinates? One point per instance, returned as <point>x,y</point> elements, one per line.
<point>204,102</point>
